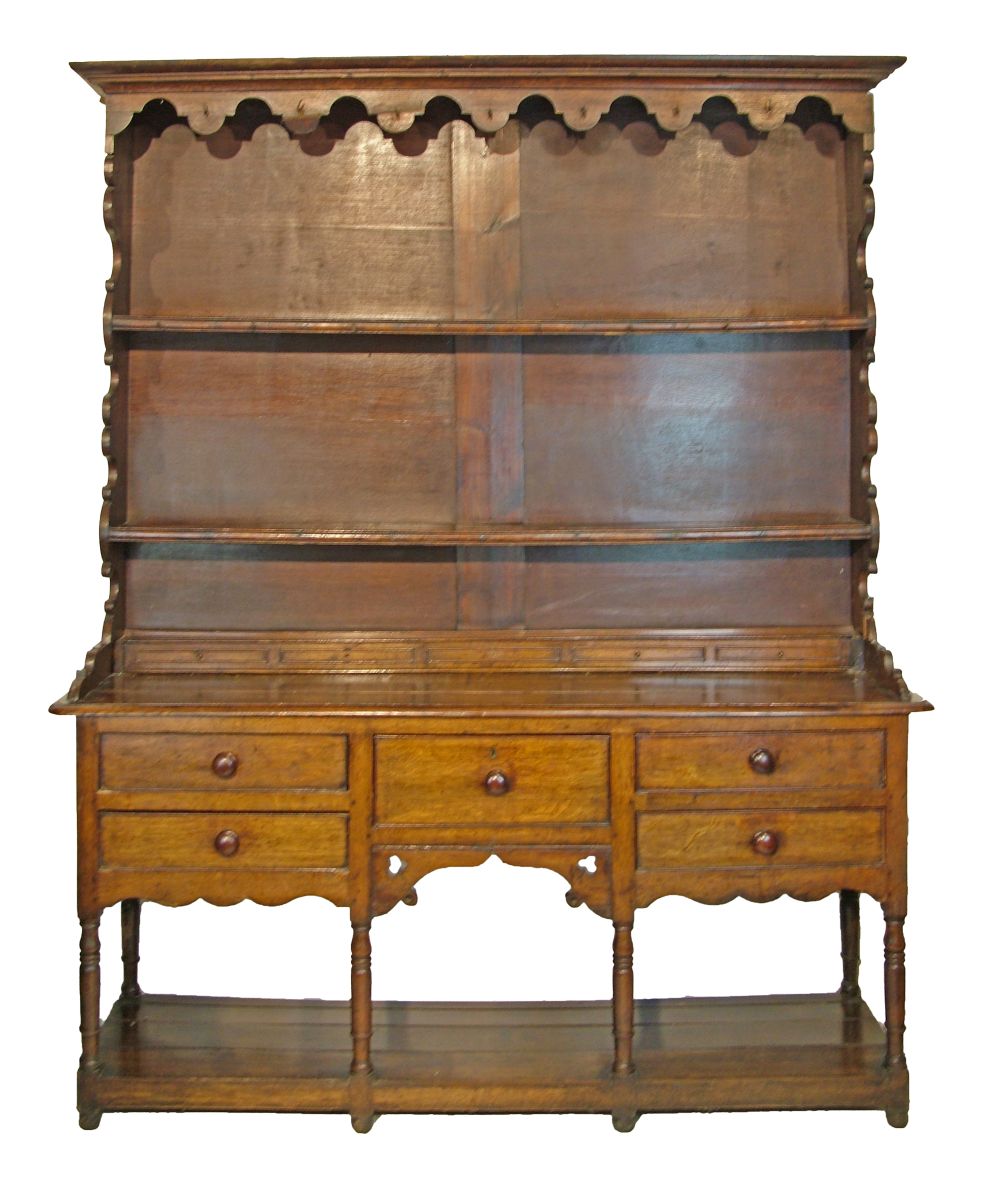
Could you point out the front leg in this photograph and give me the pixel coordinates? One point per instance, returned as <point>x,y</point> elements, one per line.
<point>90,1020</point>
<point>895,1023</point>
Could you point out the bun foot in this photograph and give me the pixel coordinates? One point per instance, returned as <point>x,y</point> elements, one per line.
<point>897,1117</point>
<point>624,1122</point>
<point>90,1118</point>
<point>363,1124</point>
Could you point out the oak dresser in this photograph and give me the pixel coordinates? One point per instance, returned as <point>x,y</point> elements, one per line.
<point>489,449</point>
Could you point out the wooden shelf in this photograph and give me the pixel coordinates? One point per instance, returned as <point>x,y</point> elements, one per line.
<point>693,1054</point>
<point>307,326</point>
<point>497,535</point>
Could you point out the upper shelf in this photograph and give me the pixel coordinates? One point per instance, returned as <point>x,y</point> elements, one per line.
<point>497,534</point>
<point>310,326</point>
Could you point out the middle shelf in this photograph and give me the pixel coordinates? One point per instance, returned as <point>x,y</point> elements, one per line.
<point>499,534</point>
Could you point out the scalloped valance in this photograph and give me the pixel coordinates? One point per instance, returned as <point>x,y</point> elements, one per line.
<point>395,92</point>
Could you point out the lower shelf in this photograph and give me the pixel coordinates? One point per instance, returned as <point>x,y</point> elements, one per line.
<point>695,1054</point>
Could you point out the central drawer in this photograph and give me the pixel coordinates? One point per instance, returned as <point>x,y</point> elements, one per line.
<point>491,779</point>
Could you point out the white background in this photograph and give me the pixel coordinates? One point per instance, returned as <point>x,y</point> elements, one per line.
<point>502,932</point>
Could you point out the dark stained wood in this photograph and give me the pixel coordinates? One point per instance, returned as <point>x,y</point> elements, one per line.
<point>688,585</point>
<point>368,236</point>
<point>131,909</point>
<point>850,944</point>
<point>330,590</point>
<point>489,450</point>
<point>224,436</point>
<point>754,426</point>
<point>307,326</point>
<point>487,533</point>
<point>668,225</point>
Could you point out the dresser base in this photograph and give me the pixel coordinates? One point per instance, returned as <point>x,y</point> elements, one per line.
<point>173,1053</point>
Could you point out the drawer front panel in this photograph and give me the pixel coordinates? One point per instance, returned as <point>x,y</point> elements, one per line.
<point>151,840</point>
<point>535,779</point>
<point>784,760</point>
<point>222,762</point>
<point>705,839</point>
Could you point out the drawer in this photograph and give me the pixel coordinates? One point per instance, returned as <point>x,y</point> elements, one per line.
<point>491,780</point>
<point>705,839</point>
<point>151,840</point>
<point>223,761</point>
<point>761,759</point>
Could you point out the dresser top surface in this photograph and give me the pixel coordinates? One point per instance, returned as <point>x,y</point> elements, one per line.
<point>552,694</point>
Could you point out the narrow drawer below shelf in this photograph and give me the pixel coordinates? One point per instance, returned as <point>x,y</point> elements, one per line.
<point>698,1054</point>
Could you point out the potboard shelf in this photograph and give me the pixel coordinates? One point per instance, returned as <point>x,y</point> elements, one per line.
<point>811,1051</point>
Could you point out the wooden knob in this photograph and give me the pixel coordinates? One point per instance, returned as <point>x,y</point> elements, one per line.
<point>765,843</point>
<point>496,782</point>
<point>227,843</point>
<point>225,764</point>
<point>763,761</point>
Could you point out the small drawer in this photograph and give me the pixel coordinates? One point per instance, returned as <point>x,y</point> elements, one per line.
<point>761,759</point>
<point>151,840</point>
<point>491,780</point>
<point>704,839</point>
<point>222,761</point>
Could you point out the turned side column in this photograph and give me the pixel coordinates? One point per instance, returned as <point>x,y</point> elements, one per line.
<point>362,1110</point>
<point>130,958</point>
<point>361,999</point>
<point>850,944</point>
<point>623,1001</point>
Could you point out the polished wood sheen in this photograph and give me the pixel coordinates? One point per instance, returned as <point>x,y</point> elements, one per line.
<point>496,483</point>
<point>449,779</point>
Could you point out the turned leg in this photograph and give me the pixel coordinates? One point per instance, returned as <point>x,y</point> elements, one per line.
<point>130,959</point>
<point>90,1020</point>
<point>361,999</point>
<point>850,943</point>
<point>623,1011</point>
<point>895,1000</point>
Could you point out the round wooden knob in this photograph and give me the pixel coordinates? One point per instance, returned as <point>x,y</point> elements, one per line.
<point>765,843</point>
<point>763,761</point>
<point>496,782</point>
<point>225,764</point>
<point>227,843</point>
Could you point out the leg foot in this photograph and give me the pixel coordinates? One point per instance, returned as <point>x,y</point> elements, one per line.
<point>897,1117</point>
<point>90,1118</point>
<point>364,1122</point>
<point>623,1121</point>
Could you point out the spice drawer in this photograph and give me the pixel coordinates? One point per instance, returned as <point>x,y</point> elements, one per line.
<point>763,758</point>
<point>708,839</point>
<point>492,780</point>
<point>152,840</point>
<point>222,761</point>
